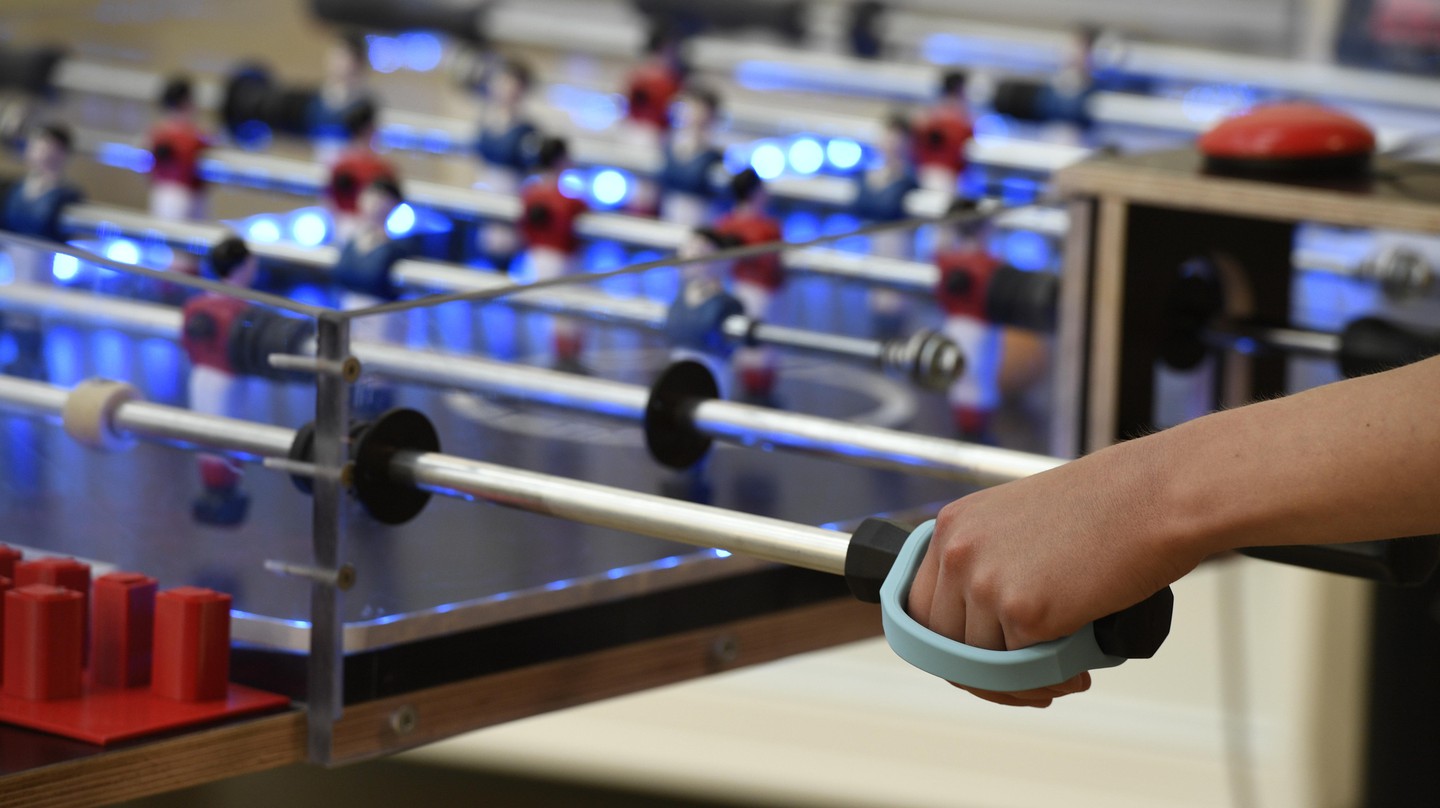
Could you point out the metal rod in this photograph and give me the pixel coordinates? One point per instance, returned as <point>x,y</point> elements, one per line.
<point>866,445</point>
<point>588,303</point>
<point>157,422</point>
<point>1245,337</point>
<point>646,514</point>
<point>325,668</point>
<point>726,421</point>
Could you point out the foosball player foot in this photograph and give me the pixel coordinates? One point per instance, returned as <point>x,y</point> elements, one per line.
<point>887,324</point>
<point>369,399</point>
<point>570,364</point>
<point>972,424</point>
<point>221,508</point>
<point>757,387</point>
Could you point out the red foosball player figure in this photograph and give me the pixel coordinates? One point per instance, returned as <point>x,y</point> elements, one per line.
<point>207,339</point>
<point>649,90</point>
<point>356,168</point>
<point>177,193</point>
<point>939,136</point>
<point>966,270</point>
<point>755,279</point>
<point>547,229</point>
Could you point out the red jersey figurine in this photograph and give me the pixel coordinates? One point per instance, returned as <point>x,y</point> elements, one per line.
<point>649,91</point>
<point>176,145</point>
<point>966,270</point>
<point>940,135</point>
<point>547,229</point>
<point>755,280</point>
<point>354,170</point>
<point>206,337</point>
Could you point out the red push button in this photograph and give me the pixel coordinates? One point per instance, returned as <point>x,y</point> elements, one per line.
<point>1293,138</point>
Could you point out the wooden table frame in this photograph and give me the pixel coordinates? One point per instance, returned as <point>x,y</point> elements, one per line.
<point>1136,219</point>
<point>392,724</point>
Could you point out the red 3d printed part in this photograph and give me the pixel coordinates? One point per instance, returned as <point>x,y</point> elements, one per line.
<point>9,557</point>
<point>122,630</point>
<point>44,637</point>
<point>192,644</point>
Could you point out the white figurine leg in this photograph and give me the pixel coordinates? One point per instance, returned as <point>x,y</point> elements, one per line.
<point>975,395</point>
<point>690,210</point>
<point>566,333</point>
<point>756,365</point>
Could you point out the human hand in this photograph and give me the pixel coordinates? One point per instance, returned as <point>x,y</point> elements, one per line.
<point>1037,559</point>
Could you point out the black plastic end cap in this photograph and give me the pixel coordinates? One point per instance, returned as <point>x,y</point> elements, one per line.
<point>874,546</point>
<point>1139,631</point>
<point>1020,99</point>
<point>30,70</point>
<point>670,432</point>
<point>247,90</point>
<point>1023,299</point>
<point>399,430</point>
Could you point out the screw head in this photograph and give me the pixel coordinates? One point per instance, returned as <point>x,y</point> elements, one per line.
<point>404,720</point>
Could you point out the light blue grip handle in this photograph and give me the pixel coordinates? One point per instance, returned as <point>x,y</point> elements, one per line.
<point>1048,663</point>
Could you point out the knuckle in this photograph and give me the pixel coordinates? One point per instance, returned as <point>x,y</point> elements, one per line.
<point>956,556</point>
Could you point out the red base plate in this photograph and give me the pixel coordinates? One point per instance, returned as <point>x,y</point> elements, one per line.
<point>107,715</point>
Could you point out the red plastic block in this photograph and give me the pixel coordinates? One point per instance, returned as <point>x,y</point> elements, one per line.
<point>5,586</point>
<point>192,644</point>
<point>44,638</point>
<point>66,573</point>
<point>122,624</point>
<point>9,557</point>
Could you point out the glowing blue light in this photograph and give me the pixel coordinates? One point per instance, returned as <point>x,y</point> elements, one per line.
<point>588,108</point>
<point>992,124</point>
<point>768,161</point>
<point>843,153</point>
<point>158,255</point>
<point>422,51</point>
<point>603,255</point>
<point>1026,250</point>
<point>401,221</point>
<point>721,553</point>
<point>7,269</point>
<point>802,225</point>
<point>253,135</point>
<point>385,54</point>
<point>309,229</point>
<point>806,156</point>
<point>436,141</point>
<point>123,251</point>
<point>123,155</point>
<point>572,182</point>
<point>942,49</point>
<point>264,230</point>
<point>737,159</point>
<point>311,295</point>
<point>609,187</point>
<point>65,267</point>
